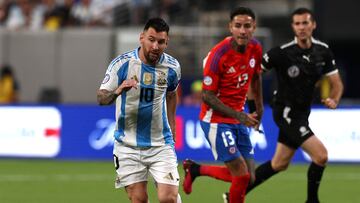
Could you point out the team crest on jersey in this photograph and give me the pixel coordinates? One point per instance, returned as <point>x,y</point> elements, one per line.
<point>293,71</point>
<point>207,80</point>
<point>232,150</point>
<point>106,79</point>
<point>252,63</point>
<point>147,78</point>
<point>161,81</point>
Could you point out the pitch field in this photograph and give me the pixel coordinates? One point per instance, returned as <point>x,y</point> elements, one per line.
<point>43,181</point>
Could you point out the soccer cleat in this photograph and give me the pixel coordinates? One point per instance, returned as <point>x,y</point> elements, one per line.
<point>191,172</point>
<point>225,197</point>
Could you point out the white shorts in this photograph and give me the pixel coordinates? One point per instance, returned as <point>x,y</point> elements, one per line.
<point>133,164</point>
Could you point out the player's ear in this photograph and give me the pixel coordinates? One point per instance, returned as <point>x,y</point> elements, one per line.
<point>142,36</point>
<point>229,26</point>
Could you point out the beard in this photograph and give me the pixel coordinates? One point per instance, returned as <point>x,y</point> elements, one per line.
<point>152,57</point>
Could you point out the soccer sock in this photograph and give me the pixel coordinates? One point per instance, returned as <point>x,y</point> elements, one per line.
<point>178,199</point>
<point>238,188</point>
<point>218,172</point>
<point>262,173</point>
<point>314,177</point>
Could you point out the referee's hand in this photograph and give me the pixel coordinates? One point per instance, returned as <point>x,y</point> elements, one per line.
<point>329,103</point>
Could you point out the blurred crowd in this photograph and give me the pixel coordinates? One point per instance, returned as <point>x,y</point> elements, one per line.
<point>55,14</point>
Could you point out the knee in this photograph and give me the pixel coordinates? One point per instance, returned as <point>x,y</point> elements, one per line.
<point>138,197</point>
<point>279,165</point>
<point>321,158</point>
<point>168,198</point>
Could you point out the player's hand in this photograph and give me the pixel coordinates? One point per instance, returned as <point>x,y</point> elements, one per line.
<point>248,119</point>
<point>126,85</point>
<point>329,103</point>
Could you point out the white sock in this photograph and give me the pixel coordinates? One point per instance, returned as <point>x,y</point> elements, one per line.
<point>179,198</point>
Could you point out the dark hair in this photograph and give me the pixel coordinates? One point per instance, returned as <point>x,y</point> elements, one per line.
<point>158,24</point>
<point>242,11</point>
<point>301,11</point>
<point>6,70</point>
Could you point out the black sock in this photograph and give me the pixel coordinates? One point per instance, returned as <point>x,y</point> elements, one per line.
<point>314,177</point>
<point>262,173</point>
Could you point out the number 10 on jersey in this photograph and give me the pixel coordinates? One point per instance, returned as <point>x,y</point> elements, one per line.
<point>146,94</point>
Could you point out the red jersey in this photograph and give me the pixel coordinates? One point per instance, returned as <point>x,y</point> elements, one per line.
<point>228,73</point>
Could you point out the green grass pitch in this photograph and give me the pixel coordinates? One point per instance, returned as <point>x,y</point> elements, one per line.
<point>45,181</point>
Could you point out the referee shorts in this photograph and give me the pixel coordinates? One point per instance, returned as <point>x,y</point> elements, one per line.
<point>293,125</point>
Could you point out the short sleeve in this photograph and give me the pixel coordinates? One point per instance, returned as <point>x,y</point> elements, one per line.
<point>269,59</point>
<point>211,72</point>
<point>114,75</point>
<point>330,64</point>
<point>174,77</point>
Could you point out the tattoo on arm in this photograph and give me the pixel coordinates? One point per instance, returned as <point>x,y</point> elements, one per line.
<point>211,99</point>
<point>105,97</point>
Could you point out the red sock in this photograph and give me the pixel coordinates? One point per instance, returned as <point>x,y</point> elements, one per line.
<point>238,188</point>
<point>218,172</point>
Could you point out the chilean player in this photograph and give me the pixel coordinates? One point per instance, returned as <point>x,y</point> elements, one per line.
<point>230,68</point>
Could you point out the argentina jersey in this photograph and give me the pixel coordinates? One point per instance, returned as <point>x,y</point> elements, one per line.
<point>141,114</point>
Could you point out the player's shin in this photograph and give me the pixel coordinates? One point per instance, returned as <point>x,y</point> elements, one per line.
<point>314,177</point>
<point>238,188</point>
<point>262,173</point>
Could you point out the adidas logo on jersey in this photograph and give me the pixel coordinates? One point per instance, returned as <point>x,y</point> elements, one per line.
<point>231,70</point>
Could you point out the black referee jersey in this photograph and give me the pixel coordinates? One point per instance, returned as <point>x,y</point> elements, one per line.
<point>298,70</point>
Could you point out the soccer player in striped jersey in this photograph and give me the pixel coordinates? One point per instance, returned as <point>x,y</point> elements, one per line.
<point>143,84</point>
<point>299,64</point>
<point>230,68</point>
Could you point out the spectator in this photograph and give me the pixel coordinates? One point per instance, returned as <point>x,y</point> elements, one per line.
<point>23,15</point>
<point>56,16</point>
<point>8,86</point>
<point>94,12</point>
<point>5,6</point>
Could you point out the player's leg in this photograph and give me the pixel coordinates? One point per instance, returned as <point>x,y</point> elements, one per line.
<point>318,153</point>
<point>178,200</point>
<point>167,193</point>
<point>240,179</point>
<point>132,174</point>
<point>241,168</point>
<point>137,192</point>
<point>280,161</point>
<point>193,170</point>
<point>250,163</point>
<point>162,163</point>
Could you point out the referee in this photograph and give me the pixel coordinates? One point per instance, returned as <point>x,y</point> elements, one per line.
<point>299,64</point>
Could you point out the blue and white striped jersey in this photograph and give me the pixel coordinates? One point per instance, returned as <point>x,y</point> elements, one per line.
<point>141,113</point>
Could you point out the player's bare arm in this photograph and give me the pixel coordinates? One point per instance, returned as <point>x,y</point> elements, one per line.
<point>335,91</point>
<point>106,97</point>
<point>171,102</point>
<point>210,99</point>
<point>256,92</point>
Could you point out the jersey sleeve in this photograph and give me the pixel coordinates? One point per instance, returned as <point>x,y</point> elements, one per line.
<point>330,64</point>
<point>269,59</point>
<point>211,71</point>
<point>174,77</point>
<point>112,80</point>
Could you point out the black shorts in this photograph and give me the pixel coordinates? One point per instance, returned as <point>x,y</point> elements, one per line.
<point>293,125</point>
